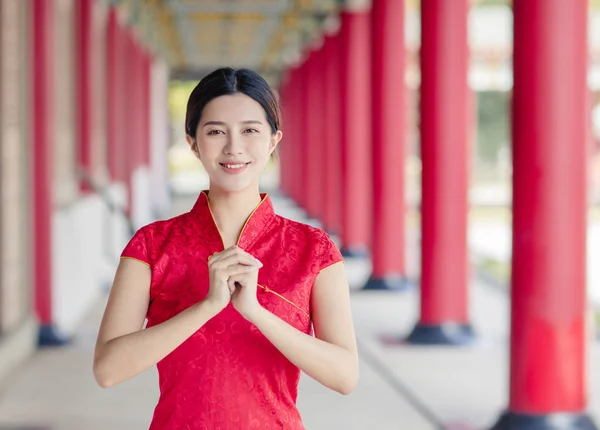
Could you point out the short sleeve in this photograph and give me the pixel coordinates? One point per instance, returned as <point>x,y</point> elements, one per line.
<point>330,254</point>
<point>137,248</point>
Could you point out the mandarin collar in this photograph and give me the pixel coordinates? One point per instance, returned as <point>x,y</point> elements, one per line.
<point>259,219</point>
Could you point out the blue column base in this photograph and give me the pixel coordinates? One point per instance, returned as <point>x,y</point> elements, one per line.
<point>49,336</point>
<point>443,334</point>
<point>387,283</point>
<point>560,421</point>
<point>361,253</point>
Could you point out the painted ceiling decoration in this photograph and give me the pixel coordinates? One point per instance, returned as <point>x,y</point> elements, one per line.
<point>197,36</point>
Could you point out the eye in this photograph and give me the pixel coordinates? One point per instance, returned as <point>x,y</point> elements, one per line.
<point>250,130</point>
<point>215,132</point>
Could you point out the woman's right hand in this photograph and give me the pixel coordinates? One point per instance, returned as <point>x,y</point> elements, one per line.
<point>230,262</point>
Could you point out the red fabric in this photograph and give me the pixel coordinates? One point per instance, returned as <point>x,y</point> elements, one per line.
<point>227,375</point>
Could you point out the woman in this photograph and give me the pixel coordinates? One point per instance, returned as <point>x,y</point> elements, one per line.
<point>231,291</point>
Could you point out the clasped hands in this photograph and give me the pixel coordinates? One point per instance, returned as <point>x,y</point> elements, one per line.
<point>233,278</point>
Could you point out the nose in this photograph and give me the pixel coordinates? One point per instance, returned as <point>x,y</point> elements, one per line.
<point>234,145</point>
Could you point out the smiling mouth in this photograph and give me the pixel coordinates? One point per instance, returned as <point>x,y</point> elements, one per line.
<point>234,165</point>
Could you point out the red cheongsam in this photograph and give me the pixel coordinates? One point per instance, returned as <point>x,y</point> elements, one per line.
<point>227,375</point>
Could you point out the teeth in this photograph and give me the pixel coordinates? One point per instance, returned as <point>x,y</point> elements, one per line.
<point>234,166</point>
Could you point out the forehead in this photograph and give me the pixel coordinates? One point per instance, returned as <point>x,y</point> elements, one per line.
<point>233,108</point>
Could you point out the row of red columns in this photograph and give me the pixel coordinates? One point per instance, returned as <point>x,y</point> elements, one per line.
<point>127,122</point>
<point>128,99</point>
<point>357,193</point>
<point>550,141</point>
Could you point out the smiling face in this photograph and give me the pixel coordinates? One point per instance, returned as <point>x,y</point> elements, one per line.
<point>234,142</point>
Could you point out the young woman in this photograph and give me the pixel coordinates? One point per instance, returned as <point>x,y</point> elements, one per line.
<point>231,291</point>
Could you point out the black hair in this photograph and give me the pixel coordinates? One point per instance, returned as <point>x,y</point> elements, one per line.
<point>228,81</point>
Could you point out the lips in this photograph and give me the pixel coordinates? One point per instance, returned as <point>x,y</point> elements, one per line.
<point>234,168</point>
<point>237,165</point>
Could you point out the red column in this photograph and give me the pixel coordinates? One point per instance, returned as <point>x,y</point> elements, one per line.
<point>118,94</point>
<point>319,143</point>
<point>332,186</point>
<point>289,141</point>
<point>444,135</point>
<point>112,96</point>
<point>299,147</point>
<point>280,148</point>
<point>356,133</point>
<point>548,353</point>
<point>290,130</point>
<point>389,135</point>
<point>41,152</point>
<point>304,137</point>
<point>129,104</point>
<point>84,91</point>
<point>311,136</point>
<point>147,67</point>
<point>285,168</point>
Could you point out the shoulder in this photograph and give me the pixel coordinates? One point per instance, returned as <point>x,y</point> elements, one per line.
<point>151,237</point>
<point>315,240</point>
<point>300,228</point>
<point>165,225</point>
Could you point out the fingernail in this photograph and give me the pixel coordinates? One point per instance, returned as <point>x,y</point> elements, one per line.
<point>259,263</point>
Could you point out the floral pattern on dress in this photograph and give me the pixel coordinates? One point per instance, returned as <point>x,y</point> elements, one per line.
<point>228,375</point>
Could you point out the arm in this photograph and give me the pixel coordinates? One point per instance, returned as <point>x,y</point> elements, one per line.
<point>331,357</point>
<point>123,349</point>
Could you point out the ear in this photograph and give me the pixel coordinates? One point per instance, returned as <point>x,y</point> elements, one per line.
<point>193,145</point>
<point>275,141</point>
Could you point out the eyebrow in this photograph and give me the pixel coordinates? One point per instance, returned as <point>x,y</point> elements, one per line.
<point>252,121</point>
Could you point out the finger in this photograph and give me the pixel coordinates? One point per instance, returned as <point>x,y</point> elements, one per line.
<point>234,258</point>
<point>233,250</point>
<point>237,269</point>
<point>231,286</point>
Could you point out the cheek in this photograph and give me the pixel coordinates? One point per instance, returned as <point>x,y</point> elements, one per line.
<point>262,149</point>
<point>206,152</point>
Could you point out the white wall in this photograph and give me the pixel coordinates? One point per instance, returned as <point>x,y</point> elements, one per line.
<point>87,241</point>
<point>77,261</point>
<point>141,201</point>
<point>159,138</point>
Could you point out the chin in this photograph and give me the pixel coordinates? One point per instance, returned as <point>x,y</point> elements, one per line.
<point>232,188</point>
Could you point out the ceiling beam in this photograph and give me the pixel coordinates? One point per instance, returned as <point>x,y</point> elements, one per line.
<point>221,7</point>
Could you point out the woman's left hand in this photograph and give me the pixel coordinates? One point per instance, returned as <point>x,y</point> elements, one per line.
<point>244,297</point>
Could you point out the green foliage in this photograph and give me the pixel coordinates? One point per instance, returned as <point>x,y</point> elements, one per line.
<point>496,269</point>
<point>179,92</point>
<point>492,2</point>
<point>493,126</point>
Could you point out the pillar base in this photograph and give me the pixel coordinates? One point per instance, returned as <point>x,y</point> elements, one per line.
<point>560,421</point>
<point>387,283</point>
<point>443,334</point>
<point>361,253</point>
<point>49,336</point>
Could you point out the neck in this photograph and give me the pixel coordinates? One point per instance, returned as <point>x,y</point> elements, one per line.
<point>231,210</point>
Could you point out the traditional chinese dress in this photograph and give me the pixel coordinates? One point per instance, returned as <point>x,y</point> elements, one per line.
<point>227,375</point>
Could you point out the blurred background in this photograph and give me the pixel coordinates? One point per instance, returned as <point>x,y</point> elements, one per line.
<point>93,96</point>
